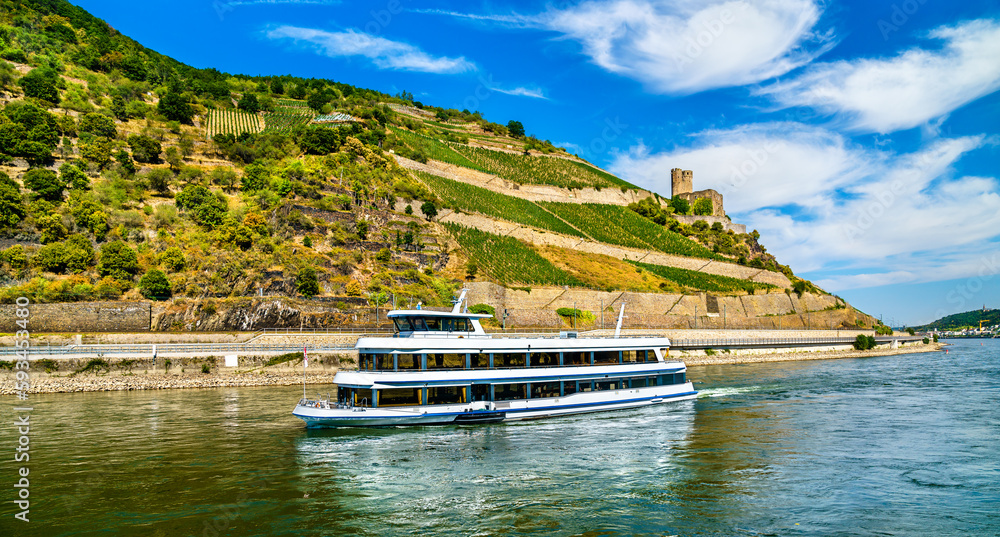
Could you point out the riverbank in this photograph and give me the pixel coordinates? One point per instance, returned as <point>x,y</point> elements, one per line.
<point>132,375</point>
<point>784,355</point>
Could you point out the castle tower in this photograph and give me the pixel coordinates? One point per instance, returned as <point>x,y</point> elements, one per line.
<point>681,181</point>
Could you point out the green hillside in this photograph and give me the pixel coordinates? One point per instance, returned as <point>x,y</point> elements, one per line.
<point>968,319</point>
<point>126,174</point>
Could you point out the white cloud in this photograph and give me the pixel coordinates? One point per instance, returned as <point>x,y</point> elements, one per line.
<point>683,46</point>
<point>688,46</point>
<point>916,86</point>
<point>823,205</point>
<point>384,53</point>
<point>535,93</point>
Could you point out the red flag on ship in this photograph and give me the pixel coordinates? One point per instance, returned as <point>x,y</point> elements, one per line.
<point>305,357</point>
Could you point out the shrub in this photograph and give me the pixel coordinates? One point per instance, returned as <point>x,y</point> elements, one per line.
<point>154,285</point>
<point>383,255</point>
<point>98,125</point>
<point>306,282</point>
<point>118,261</point>
<point>703,207</point>
<point>44,183</point>
<point>863,342</point>
<point>429,210</point>
<point>483,308</point>
<point>144,148</point>
<point>926,341</point>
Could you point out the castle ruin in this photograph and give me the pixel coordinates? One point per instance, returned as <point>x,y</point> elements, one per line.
<point>682,186</point>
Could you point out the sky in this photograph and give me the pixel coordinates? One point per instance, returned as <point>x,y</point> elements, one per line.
<point>859,138</point>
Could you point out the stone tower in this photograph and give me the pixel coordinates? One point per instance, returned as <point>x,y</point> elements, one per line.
<point>681,181</point>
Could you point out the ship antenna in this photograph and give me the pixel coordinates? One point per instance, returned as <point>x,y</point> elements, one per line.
<point>457,304</point>
<point>621,314</point>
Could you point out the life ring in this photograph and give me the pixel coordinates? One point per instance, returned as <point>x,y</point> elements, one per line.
<point>317,404</point>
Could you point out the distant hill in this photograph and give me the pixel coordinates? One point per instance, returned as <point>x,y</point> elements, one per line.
<point>968,319</point>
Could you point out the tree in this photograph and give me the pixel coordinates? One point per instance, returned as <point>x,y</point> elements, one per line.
<point>515,129</point>
<point>203,207</point>
<point>248,103</point>
<point>154,285</point>
<point>73,177</point>
<point>98,150</point>
<point>317,100</point>
<point>173,259</point>
<point>277,87</point>
<point>11,205</point>
<point>174,158</point>
<point>98,125</point>
<point>306,282</point>
<point>79,254</point>
<point>429,210</point>
<point>680,205</point>
<point>41,83</point>
<point>44,183</point>
<point>144,148</point>
<point>703,207</point>
<point>175,107</point>
<point>256,176</point>
<point>52,228</point>
<point>159,180</point>
<point>118,261</point>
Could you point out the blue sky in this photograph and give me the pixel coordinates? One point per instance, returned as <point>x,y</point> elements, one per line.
<point>860,138</point>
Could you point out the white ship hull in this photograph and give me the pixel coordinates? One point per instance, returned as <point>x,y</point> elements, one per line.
<point>484,412</point>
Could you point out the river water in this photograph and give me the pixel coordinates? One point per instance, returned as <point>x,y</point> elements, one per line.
<point>899,445</point>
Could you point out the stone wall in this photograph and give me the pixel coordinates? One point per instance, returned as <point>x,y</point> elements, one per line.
<point>770,311</point>
<point>690,219</point>
<point>610,196</point>
<point>80,317</point>
<point>715,197</point>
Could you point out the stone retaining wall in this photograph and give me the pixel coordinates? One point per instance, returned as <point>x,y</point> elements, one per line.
<point>609,196</point>
<point>79,316</point>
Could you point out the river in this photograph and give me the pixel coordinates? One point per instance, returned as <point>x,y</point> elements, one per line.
<point>895,445</point>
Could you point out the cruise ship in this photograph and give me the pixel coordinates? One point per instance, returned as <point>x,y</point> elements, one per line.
<point>441,367</point>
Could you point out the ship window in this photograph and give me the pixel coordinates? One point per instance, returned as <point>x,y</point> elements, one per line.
<point>444,395</point>
<point>403,324</point>
<point>399,397</point>
<point>569,388</point>
<point>419,324</point>
<point>362,397</point>
<point>366,361</point>
<point>630,357</point>
<point>576,358</point>
<point>509,359</point>
<point>451,324</point>
<point>445,361</point>
<point>509,392</point>
<point>408,361</point>
<point>639,382</point>
<point>545,389</point>
<point>544,359</point>
<point>606,385</point>
<point>433,324</point>
<point>606,357</point>
<point>480,360</point>
<point>586,386</point>
<point>383,362</point>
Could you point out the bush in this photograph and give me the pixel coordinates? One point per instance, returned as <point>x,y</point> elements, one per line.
<point>429,210</point>
<point>173,259</point>
<point>40,83</point>
<point>703,207</point>
<point>98,125</point>
<point>863,342</point>
<point>154,285</point>
<point>44,183</point>
<point>926,341</point>
<point>306,282</point>
<point>483,308</point>
<point>118,261</point>
<point>144,148</point>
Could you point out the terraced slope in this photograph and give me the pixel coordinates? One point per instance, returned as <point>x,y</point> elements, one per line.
<point>701,281</point>
<point>507,260</point>
<point>469,198</point>
<point>618,225</point>
<point>531,170</point>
